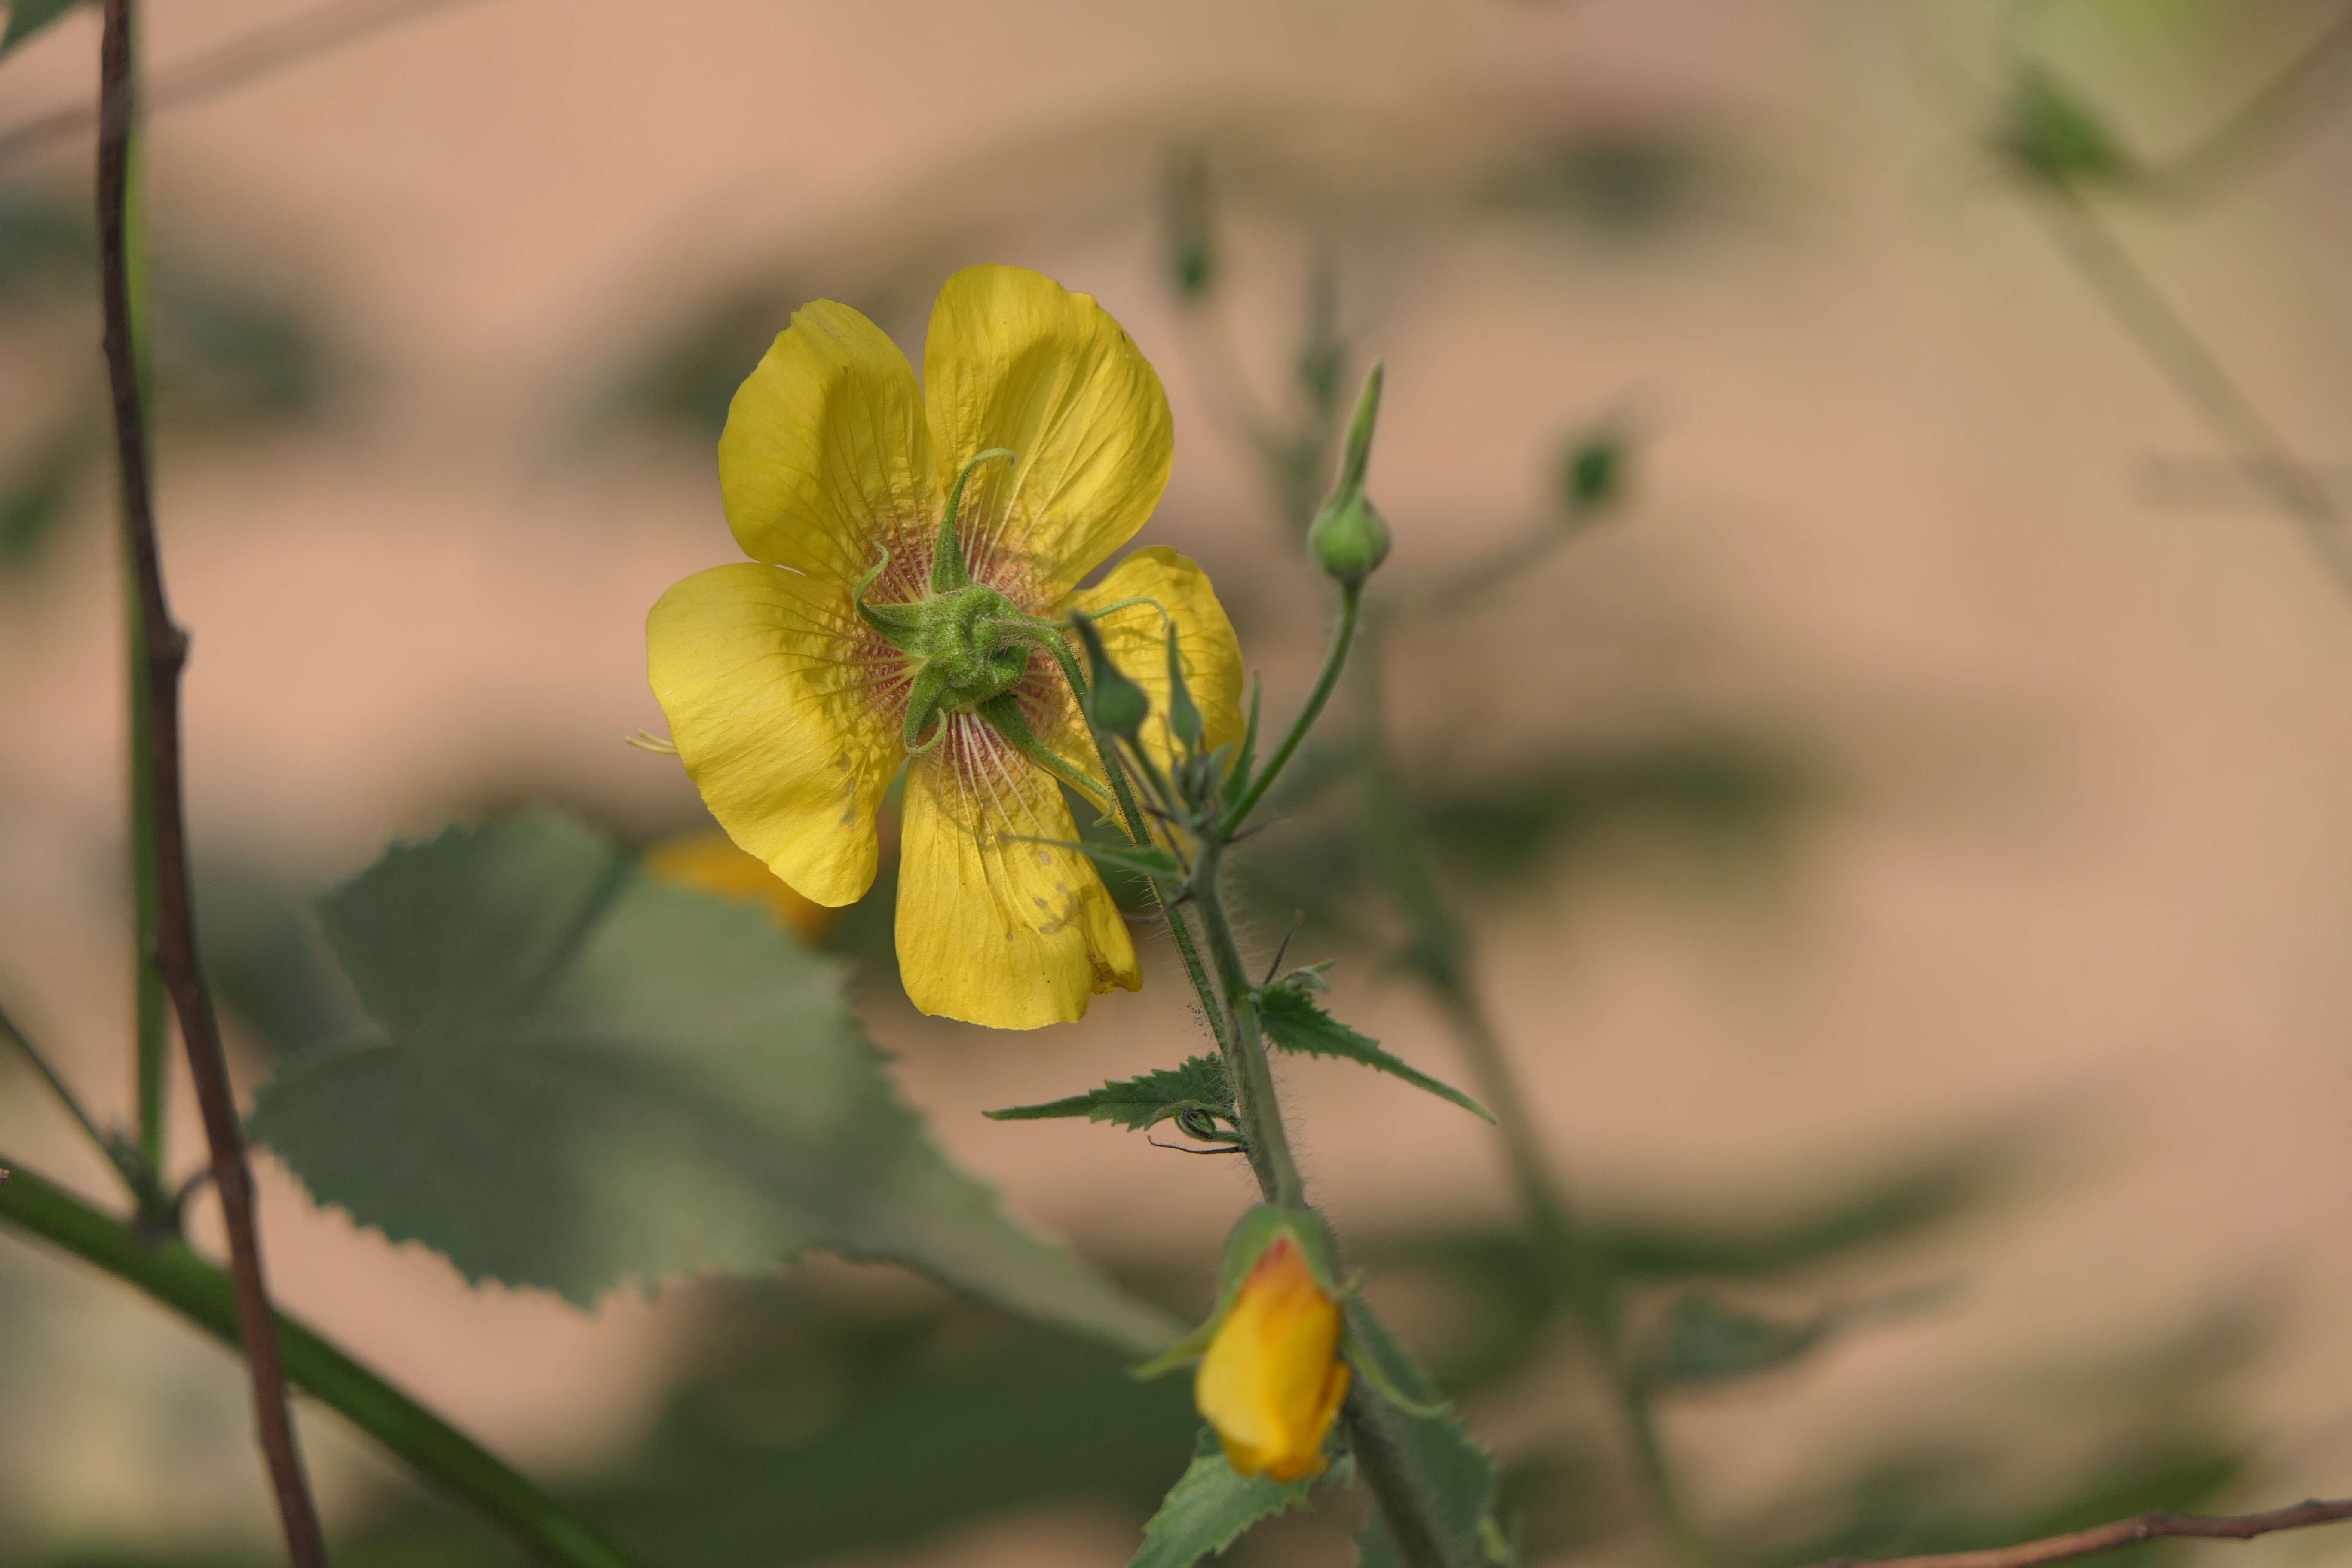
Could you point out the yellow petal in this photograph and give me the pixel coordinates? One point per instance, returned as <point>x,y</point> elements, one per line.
<point>1016,361</point>
<point>1271,1381</point>
<point>710,862</point>
<point>1136,640</point>
<point>776,697</point>
<point>993,929</point>
<point>826,456</point>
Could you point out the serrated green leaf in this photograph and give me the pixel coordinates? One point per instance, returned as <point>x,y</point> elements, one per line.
<point>582,1076</point>
<point>1434,1455</point>
<point>26,17</point>
<point>1295,1023</point>
<point>1138,1103</point>
<point>1209,1507</point>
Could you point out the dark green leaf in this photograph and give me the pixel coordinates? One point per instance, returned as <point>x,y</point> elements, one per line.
<point>1209,1508</point>
<point>583,1076</point>
<point>26,17</point>
<point>1137,1103</point>
<point>1295,1023</point>
<point>1434,1455</point>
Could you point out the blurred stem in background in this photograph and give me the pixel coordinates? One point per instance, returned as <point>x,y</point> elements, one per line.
<point>1437,950</point>
<point>2063,153</point>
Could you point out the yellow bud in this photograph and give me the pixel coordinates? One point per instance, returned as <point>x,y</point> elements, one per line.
<point>1271,1379</point>
<point>710,863</point>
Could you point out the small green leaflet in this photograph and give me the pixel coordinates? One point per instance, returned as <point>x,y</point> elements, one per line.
<point>1209,1507</point>
<point>26,17</point>
<point>1119,855</point>
<point>1138,1103</point>
<point>1295,1023</point>
<point>579,1077</point>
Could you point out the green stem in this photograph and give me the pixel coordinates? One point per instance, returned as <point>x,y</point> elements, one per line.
<point>115,1154</point>
<point>203,1294</point>
<point>1343,636</point>
<point>1438,955</point>
<point>154,1046</point>
<point>1253,1078</point>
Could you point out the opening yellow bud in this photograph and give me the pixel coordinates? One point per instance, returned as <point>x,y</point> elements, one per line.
<point>1271,1379</point>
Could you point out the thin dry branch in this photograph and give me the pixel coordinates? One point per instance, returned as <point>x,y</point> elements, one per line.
<point>176,944</point>
<point>2159,1525</point>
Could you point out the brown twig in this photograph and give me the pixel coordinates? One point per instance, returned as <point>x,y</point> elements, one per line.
<point>2157,1526</point>
<point>176,946</point>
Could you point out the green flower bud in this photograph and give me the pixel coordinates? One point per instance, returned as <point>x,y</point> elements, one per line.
<point>1349,537</point>
<point>1593,478</point>
<point>1187,214</point>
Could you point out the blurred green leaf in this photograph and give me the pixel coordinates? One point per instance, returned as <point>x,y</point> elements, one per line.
<point>1211,1507</point>
<point>26,17</point>
<point>1702,1340</point>
<point>266,962</point>
<point>1618,182</point>
<point>46,242</point>
<point>1721,792</point>
<point>230,352</point>
<point>1512,1291</point>
<point>37,495</point>
<point>1138,1103</point>
<point>581,1077</point>
<point>798,1437</point>
<point>1444,1463</point>
<point>1295,1023</point>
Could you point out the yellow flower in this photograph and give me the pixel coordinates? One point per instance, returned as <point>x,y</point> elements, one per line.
<point>1271,1379</point>
<point>709,862</point>
<point>798,682</point>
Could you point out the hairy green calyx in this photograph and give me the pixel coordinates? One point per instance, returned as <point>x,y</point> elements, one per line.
<point>970,645</point>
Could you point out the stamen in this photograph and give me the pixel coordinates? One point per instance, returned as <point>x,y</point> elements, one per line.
<point>645,741</point>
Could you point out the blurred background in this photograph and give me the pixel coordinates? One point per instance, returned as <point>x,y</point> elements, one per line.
<point>1903,836</point>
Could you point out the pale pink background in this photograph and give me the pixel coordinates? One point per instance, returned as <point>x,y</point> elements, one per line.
<point>2090,851</point>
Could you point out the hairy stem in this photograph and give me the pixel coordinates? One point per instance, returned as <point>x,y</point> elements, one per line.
<point>166,652</point>
<point>1253,1079</point>
<point>176,1276</point>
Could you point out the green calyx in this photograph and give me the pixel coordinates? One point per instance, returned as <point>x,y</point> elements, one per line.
<point>970,648</point>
